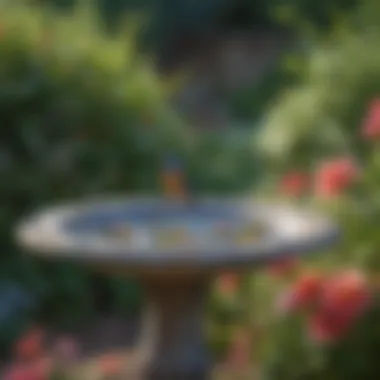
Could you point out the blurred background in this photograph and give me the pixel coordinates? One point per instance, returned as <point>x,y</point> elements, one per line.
<point>94,93</point>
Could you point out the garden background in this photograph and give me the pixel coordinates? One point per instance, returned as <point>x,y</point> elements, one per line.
<point>276,97</point>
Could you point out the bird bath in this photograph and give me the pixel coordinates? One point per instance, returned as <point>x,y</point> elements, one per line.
<point>174,249</point>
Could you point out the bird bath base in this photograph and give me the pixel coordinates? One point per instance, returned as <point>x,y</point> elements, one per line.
<point>176,314</point>
<point>176,274</point>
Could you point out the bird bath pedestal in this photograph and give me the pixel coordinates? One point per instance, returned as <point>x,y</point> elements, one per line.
<point>174,249</point>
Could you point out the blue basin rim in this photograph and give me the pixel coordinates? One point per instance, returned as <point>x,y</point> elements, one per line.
<point>293,231</point>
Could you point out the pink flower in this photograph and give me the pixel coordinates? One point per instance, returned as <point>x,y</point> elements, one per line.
<point>303,294</point>
<point>294,184</point>
<point>348,293</point>
<point>18,373</point>
<point>333,177</point>
<point>22,372</point>
<point>371,124</point>
<point>344,298</point>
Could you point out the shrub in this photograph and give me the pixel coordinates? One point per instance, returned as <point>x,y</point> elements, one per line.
<point>322,140</point>
<point>80,114</point>
<point>333,335</point>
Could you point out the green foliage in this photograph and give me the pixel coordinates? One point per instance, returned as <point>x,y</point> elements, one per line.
<point>321,115</point>
<point>222,162</point>
<point>319,14</point>
<point>248,103</point>
<point>80,114</point>
<point>293,357</point>
<point>318,119</point>
<point>164,19</point>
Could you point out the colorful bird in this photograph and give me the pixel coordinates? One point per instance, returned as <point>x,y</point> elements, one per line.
<point>173,181</point>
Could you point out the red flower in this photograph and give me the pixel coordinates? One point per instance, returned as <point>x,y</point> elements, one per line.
<point>30,346</point>
<point>18,373</point>
<point>348,293</point>
<point>42,368</point>
<point>326,326</point>
<point>111,365</point>
<point>334,177</point>
<point>228,284</point>
<point>283,267</point>
<point>239,354</point>
<point>294,184</point>
<point>305,293</point>
<point>344,298</point>
<point>371,124</point>
<point>21,372</point>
